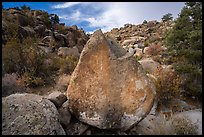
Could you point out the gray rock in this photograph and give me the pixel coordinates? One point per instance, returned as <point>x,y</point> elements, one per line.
<point>149,65</point>
<point>57,98</point>
<point>26,32</point>
<point>76,128</point>
<point>40,30</point>
<point>62,82</point>
<point>29,114</point>
<point>64,114</point>
<point>22,19</point>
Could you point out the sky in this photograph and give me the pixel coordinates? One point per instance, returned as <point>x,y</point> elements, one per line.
<point>91,16</point>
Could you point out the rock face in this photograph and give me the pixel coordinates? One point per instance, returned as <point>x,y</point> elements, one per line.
<point>29,114</point>
<point>108,88</point>
<point>149,65</point>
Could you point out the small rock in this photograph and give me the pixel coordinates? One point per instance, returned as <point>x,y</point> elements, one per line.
<point>57,98</point>
<point>64,114</point>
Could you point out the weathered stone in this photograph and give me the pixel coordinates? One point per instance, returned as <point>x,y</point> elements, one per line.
<point>63,82</point>
<point>40,30</point>
<point>149,65</point>
<point>57,98</point>
<point>48,32</point>
<point>76,127</point>
<point>61,40</point>
<point>10,85</point>
<point>108,88</point>
<point>22,19</point>
<point>138,53</point>
<point>64,114</point>
<point>29,114</point>
<point>26,32</point>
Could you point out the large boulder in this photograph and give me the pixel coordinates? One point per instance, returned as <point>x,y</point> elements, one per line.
<point>22,19</point>
<point>40,30</point>
<point>26,32</point>
<point>108,88</point>
<point>29,114</point>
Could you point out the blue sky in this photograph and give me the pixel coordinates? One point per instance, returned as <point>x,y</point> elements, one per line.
<point>104,15</point>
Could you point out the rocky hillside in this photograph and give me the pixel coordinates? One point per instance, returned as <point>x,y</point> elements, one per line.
<point>59,81</point>
<point>40,45</point>
<point>37,23</point>
<point>151,32</point>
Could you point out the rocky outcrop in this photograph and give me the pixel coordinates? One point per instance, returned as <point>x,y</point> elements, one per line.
<point>22,19</point>
<point>40,30</point>
<point>140,34</point>
<point>26,32</point>
<point>29,114</point>
<point>108,88</point>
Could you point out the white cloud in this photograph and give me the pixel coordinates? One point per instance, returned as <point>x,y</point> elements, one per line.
<point>65,5</point>
<point>76,16</point>
<point>108,15</point>
<point>114,15</point>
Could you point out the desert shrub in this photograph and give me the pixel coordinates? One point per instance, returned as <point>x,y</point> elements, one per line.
<point>24,58</point>
<point>10,85</point>
<point>146,43</point>
<point>168,84</point>
<point>68,64</point>
<point>30,80</point>
<point>137,57</point>
<point>64,65</point>
<point>61,29</point>
<point>12,30</point>
<point>11,56</point>
<point>154,49</point>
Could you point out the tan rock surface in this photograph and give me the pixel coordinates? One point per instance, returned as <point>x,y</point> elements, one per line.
<point>108,88</point>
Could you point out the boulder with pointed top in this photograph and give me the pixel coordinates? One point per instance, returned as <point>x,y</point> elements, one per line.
<point>108,88</point>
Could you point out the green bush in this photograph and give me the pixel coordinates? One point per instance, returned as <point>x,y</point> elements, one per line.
<point>184,43</point>
<point>167,17</point>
